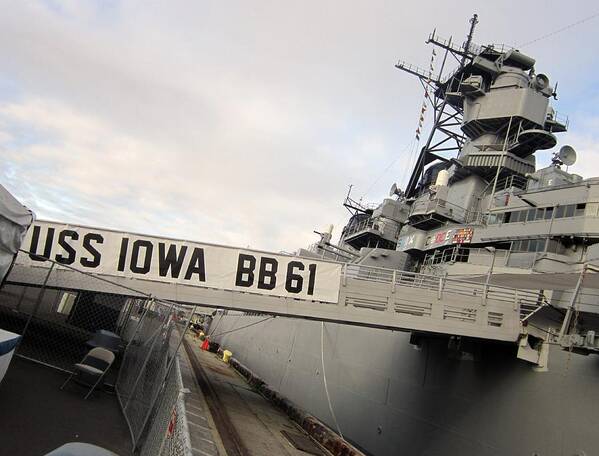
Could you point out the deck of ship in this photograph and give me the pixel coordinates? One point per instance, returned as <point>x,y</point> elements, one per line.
<point>37,417</point>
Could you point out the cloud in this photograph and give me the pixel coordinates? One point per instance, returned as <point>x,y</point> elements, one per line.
<point>238,123</point>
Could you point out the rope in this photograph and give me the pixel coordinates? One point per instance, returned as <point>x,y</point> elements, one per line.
<point>324,377</point>
<point>241,327</point>
<point>555,32</point>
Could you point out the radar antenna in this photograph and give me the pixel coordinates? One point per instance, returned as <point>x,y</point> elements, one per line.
<point>473,22</point>
<point>565,156</point>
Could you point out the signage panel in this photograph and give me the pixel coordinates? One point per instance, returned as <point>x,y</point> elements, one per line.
<point>113,253</point>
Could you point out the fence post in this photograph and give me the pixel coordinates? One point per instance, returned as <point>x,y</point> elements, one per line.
<point>137,328</point>
<point>37,303</point>
<point>145,363</point>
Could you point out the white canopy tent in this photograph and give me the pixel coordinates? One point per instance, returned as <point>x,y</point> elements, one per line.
<point>14,222</point>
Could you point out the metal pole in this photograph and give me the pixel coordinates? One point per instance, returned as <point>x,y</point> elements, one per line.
<point>489,276</point>
<point>568,317</point>
<point>137,328</point>
<point>141,371</point>
<point>37,304</point>
<point>502,159</point>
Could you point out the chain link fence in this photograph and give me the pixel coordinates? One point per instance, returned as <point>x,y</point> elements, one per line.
<point>170,415</point>
<point>149,373</point>
<point>59,311</point>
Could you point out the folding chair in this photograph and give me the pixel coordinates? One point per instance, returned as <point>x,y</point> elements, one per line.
<point>95,364</point>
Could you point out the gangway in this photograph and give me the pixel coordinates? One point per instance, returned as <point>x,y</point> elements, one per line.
<point>254,281</point>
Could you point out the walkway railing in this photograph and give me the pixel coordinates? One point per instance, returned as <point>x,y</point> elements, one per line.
<point>525,300</point>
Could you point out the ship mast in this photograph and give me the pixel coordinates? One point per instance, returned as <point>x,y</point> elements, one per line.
<point>445,135</point>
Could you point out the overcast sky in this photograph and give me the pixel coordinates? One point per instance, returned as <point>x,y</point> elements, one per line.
<point>244,122</point>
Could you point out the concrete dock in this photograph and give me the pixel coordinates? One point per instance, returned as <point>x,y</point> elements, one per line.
<point>233,419</point>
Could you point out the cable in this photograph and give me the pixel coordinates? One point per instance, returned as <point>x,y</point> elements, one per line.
<point>324,377</point>
<point>555,32</point>
<point>242,327</point>
<point>405,149</point>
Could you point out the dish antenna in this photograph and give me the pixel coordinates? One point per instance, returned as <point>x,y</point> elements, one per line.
<point>565,156</point>
<point>395,190</point>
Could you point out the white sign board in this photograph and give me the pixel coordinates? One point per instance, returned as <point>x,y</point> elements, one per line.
<point>113,253</point>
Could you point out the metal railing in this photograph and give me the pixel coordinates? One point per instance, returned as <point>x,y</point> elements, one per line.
<point>361,226</point>
<point>523,300</point>
<point>513,180</point>
<point>439,206</point>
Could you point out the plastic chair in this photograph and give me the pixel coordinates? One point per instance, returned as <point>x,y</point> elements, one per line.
<point>95,364</point>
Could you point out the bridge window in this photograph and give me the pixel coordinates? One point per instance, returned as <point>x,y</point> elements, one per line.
<point>518,216</point>
<point>540,214</point>
<point>529,245</point>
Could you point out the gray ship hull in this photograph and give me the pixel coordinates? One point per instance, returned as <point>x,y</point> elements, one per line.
<point>392,398</point>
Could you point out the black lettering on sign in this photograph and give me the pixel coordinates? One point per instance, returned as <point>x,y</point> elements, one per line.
<point>148,248</point>
<point>87,245</point>
<point>245,272</point>
<point>62,241</point>
<point>268,270</point>
<point>170,259</point>
<point>311,279</point>
<point>35,239</point>
<point>294,282</point>
<point>196,265</point>
<point>123,254</point>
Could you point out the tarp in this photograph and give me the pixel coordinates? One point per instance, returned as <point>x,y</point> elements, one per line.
<point>14,221</point>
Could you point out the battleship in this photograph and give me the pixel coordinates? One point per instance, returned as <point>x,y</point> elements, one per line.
<point>456,317</point>
<point>475,208</point>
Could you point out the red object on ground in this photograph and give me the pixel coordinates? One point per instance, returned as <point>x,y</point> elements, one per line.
<point>206,344</point>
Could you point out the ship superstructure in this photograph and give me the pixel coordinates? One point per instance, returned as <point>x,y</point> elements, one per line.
<point>477,207</point>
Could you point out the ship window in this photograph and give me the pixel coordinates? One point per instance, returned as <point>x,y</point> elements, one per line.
<point>570,208</point>
<point>554,246</point>
<point>531,215</point>
<point>507,217</point>
<point>580,208</point>
<point>495,218</point>
<point>536,245</point>
<point>540,214</point>
<point>560,211</point>
<point>516,216</point>
<point>548,213</point>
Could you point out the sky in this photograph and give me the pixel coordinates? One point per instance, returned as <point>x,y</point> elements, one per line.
<point>244,123</point>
